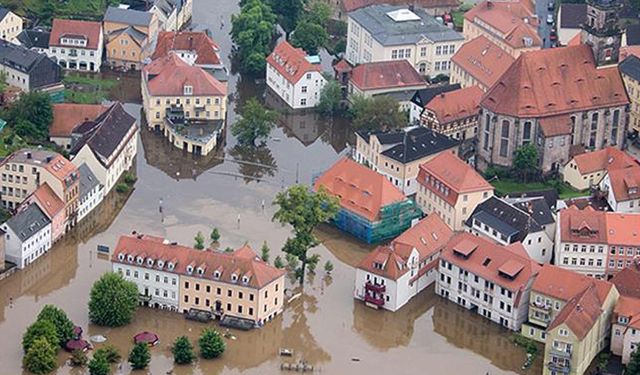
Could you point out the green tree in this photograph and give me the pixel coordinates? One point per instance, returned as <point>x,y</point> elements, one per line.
<point>62,323</point>
<point>312,262</point>
<point>319,13</point>
<point>633,367</point>
<point>78,358</point>
<point>215,235</point>
<point>98,365</point>
<point>182,351</point>
<point>309,36</point>
<point>525,160</point>
<point>109,352</point>
<point>278,262</point>
<point>304,211</point>
<point>113,301</point>
<point>288,12</point>
<point>330,98</point>
<point>41,356</point>
<point>252,31</point>
<point>199,238</point>
<point>377,113</point>
<point>139,357</point>
<point>328,266</point>
<point>256,123</point>
<point>31,116</point>
<point>229,249</point>
<point>211,344</point>
<point>41,328</point>
<point>264,252</point>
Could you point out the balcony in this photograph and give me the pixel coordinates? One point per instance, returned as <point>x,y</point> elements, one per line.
<point>376,301</point>
<point>540,306</point>
<point>560,353</point>
<point>559,367</point>
<point>377,288</point>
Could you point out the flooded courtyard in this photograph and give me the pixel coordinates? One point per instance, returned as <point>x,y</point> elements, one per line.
<point>325,326</point>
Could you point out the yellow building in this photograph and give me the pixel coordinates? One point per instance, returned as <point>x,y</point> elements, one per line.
<point>571,314</point>
<point>10,24</point>
<point>128,33</point>
<point>589,169</point>
<point>630,70</point>
<point>186,103</point>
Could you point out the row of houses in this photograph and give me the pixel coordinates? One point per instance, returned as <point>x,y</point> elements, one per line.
<point>48,194</point>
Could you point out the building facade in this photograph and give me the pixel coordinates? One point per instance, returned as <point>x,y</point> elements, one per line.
<point>587,170</point>
<point>625,330</point>
<point>630,71</point>
<point>27,236</point>
<point>622,189</point>
<point>10,24</point>
<point>128,36</point>
<point>91,192</point>
<point>454,114</point>
<point>26,69</point>
<point>53,208</point>
<point>76,45</point>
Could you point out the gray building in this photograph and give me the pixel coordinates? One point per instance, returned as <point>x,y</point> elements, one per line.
<point>27,236</point>
<point>26,69</point>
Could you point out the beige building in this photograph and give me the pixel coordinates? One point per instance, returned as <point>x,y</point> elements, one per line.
<point>587,170</point>
<point>630,71</point>
<point>454,113</point>
<point>450,188</point>
<point>397,155</point>
<point>10,24</point>
<point>128,35</point>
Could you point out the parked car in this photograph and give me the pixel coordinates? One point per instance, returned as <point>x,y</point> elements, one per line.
<point>550,19</point>
<point>447,18</point>
<point>553,36</point>
<point>551,6</point>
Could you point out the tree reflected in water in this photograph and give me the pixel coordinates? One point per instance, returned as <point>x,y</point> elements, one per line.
<point>254,163</point>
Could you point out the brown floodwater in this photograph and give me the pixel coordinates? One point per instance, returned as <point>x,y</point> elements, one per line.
<point>325,326</point>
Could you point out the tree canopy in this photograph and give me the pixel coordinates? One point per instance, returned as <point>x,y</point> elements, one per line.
<point>633,367</point>
<point>41,328</point>
<point>211,344</point>
<point>31,116</point>
<point>252,31</point>
<point>140,356</point>
<point>256,123</point>
<point>98,365</point>
<point>41,357</point>
<point>525,160</point>
<point>182,351</point>
<point>64,326</point>
<point>330,97</point>
<point>309,36</point>
<point>288,12</point>
<point>113,301</point>
<point>376,113</point>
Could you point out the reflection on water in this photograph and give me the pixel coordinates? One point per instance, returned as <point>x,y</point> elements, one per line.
<point>254,163</point>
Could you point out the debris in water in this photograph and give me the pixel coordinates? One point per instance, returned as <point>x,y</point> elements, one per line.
<point>98,338</point>
<point>355,359</point>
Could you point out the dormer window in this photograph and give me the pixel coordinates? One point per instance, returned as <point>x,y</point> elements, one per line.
<point>130,258</point>
<point>140,260</point>
<point>150,262</point>
<point>189,269</point>
<point>216,275</point>
<point>121,257</point>
<point>200,271</point>
<point>234,277</point>
<point>171,266</point>
<point>623,320</point>
<point>188,90</point>
<point>160,263</point>
<point>245,280</point>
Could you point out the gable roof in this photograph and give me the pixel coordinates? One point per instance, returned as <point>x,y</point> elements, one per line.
<point>137,36</point>
<point>631,67</point>
<point>168,75</point>
<point>572,16</point>
<point>351,5</point>
<point>580,314</point>
<point>87,29</point>
<point>3,13</point>
<point>483,60</point>
<point>291,62</point>
<point>424,96</point>
<point>505,218</point>
<point>206,49</point>
<point>386,74</point>
<point>537,207</point>
<point>627,281</point>
<point>66,116</point>
<point>608,159</point>
<point>632,32</point>
<point>128,16</point>
<point>19,57</point>
<point>48,200</point>
<point>88,180</point>
<point>34,38</point>
<point>562,284</point>
<point>28,222</point>
<point>360,189</point>
<point>630,308</point>
<point>553,82</point>
<point>582,226</point>
<point>239,262</point>
<point>456,105</point>
<point>550,196</point>
<point>455,173</point>
<point>625,183</point>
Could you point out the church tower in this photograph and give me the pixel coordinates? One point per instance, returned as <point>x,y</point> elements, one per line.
<point>601,31</point>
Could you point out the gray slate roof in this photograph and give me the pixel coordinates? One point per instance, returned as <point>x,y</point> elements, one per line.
<point>127,16</point>
<point>3,12</point>
<point>19,57</point>
<point>28,222</point>
<point>537,207</point>
<point>34,38</point>
<point>572,16</point>
<point>138,36</point>
<point>88,181</point>
<point>412,144</point>
<point>631,67</point>
<point>387,32</point>
<point>505,218</point>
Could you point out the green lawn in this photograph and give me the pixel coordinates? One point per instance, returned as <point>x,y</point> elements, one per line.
<point>90,81</point>
<point>506,187</point>
<point>10,142</point>
<point>458,15</point>
<point>87,90</point>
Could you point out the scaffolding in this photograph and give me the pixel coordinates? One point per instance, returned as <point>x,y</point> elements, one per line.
<point>393,219</point>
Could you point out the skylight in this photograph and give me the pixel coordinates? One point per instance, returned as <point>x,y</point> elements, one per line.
<point>403,15</point>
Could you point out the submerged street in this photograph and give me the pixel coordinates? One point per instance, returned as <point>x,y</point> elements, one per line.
<point>325,327</point>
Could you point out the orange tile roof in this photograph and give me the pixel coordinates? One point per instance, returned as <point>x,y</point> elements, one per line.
<point>555,81</point>
<point>608,159</point>
<point>385,75</point>
<point>385,262</point>
<point>582,226</point>
<point>624,181</point>
<point>360,189</point>
<point>627,281</point>
<point>457,104</point>
<point>168,75</point>
<point>66,116</point>
<point>74,28</point>
<point>575,41</point>
<point>483,60</point>
<point>48,200</point>
<point>563,284</point>
<point>629,307</point>
<point>627,51</point>
<point>581,313</point>
<point>205,48</point>
<point>513,20</point>
<point>291,62</point>
<point>491,261</point>
<point>554,126</point>
<point>623,229</point>
<point>259,273</point>
<point>63,170</point>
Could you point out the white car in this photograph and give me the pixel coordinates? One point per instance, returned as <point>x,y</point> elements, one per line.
<point>550,19</point>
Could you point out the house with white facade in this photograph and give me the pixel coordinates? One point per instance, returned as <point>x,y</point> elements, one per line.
<point>172,14</point>
<point>625,328</point>
<point>294,76</point>
<point>10,24</point>
<point>488,278</point>
<point>393,274</point>
<point>76,45</point>
<point>622,188</point>
<point>108,145</point>
<point>27,236</point>
<point>91,191</point>
<point>523,221</point>
<point>388,32</point>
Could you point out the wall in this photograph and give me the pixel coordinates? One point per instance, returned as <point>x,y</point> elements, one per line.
<point>10,26</point>
<point>16,78</point>
<point>161,287</point>
<point>92,58</point>
<point>24,253</point>
<point>571,175</point>
<point>633,91</point>
<point>11,171</point>
<point>90,201</point>
<point>124,51</point>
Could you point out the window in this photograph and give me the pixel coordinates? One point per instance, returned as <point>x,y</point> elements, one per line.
<point>423,51</point>
<point>526,133</point>
<point>229,293</point>
<point>304,89</point>
<point>504,138</point>
<point>308,75</point>
<point>487,131</point>
<point>439,50</point>
<point>188,90</point>
<point>303,101</point>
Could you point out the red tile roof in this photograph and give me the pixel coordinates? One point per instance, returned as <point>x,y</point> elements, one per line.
<point>483,60</point>
<point>351,5</point>
<point>168,75</point>
<point>629,50</point>
<point>555,81</point>
<point>562,284</point>
<point>582,226</point>
<point>428,237</point>
<point>63,170</point>
<point>629,307</point>
<point>205,48</point>
<point>623,229</point>
<point>360,189</point>
<point>456,105</point>
<point>87,29</point>
<point>66,116</point>
<point>513,21</point>
<point>291,62</point>
<point>490,261</point>
<point>607,159</point>
<point>386,75</point>
<point>342,66</point>
<point>625,183</point>
<point>554,126</point>
<point>258,272</point>
<point>581,313</point>
<point>627,281</point>
<point>48,200</point>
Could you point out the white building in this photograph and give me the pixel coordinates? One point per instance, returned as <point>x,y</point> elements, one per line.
<point>625,328</point>
<point>527,221</point>
<point>76,45</point>
<point>27,236</point>
<point>10,24</point>
<point>622,187</point>
<point>107,145</point>
<point>91,191</point>
<point>386,32</point>
<point>172,14</point>
<point>391,275</point>
<point>487,278</point>
<point>294,76</point>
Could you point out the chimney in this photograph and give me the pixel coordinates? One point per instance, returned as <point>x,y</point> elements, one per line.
<point>411,7</point>
<point>442,95</point>
<point>489,4</point>
<point>49,158</point>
